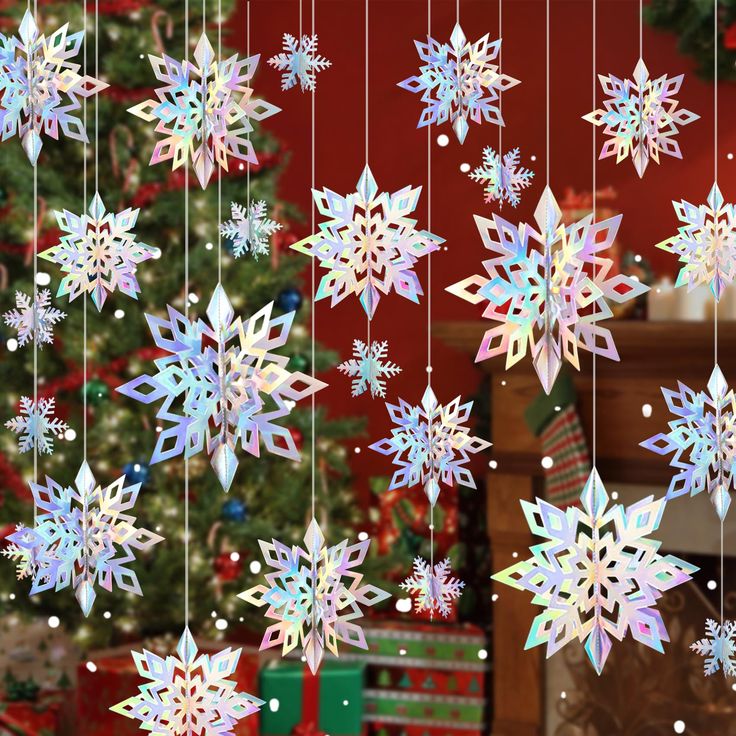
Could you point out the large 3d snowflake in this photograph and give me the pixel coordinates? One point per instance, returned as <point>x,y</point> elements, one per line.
<point>459,82</point>
<point>718,648</point>
<point>369,368</point>
<point>36,425</point>
<point>250,232</point>
<point>430,444</point>
<point>503,178</point>
<point>204,110</point>
<point>188,694</point>
<point>34,317</point>
<point>83,537</point>
<point>597,574</point>
<point>705,243</point>
<point>549,289</point>
<point>641,117</point>
<point>299,62</point>
<point>703,440</point>
<point>369,245</point>
<point>222,382</point>
<point>40,87</point>
<point>98,253</point>
<point>314,595</point>
<point>434,589</point>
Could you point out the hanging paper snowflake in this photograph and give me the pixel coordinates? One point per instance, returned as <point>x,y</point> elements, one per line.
<point>34,317</point>
<point>549,289</point>
<point>299,62</point>
<point>641,117</point>
<point>204,110</point>
<point>597,574</point>
<point>430,444</point>
<point>315,595</point>
<point>459,82</point>
<point>82,537</point>
<point>250,233</point>
<point>705,243</point>
<point>40,87</point>
<point>191,693</point>
<point>503,179</point>
<point>434,590</point>
<point>222,382</point>
<point>98,253</point>
<point>369,245</point>
<point>703,440</point>
<point>718,648</point>
<point>37,425</point>
<point>369,369</point>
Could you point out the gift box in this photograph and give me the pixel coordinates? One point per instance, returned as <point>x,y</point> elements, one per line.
<point>329,702</point>
<point>31,718</point>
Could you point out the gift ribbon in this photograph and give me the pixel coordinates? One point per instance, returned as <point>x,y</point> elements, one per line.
<point>309,725</point>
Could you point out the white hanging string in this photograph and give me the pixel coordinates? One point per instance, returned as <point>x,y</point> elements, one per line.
<point>595,184</point>
<point>641,30</point>
<point>186,315</point>
<point>457,11</point>
<point>35,294</point>
<point>247,135</point>
<point>84,209</point>
<point>547,88</point>
<point>219,168</point>
<point>313,282</point>
<point>429,309</point>
<point>367,125</point>
<point>500,60</point>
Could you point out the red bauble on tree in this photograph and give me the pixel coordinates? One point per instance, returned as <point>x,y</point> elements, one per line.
<point>298,437</point>
<point>228,566</point>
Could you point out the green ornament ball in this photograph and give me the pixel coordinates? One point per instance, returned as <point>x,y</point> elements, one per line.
<point>96,392</point>
<point>299,362</point>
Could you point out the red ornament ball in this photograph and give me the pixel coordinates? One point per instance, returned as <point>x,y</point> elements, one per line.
<point>227,568</point>
<point>297,436</point>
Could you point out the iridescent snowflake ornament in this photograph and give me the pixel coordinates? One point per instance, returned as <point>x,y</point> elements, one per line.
<point>434,590</point>
<point>459,82</point>
<point>369,368</point>
<point>705,243</point>
<point>98,253</point>
<point>250,230</point>
<point>204,110</point>
<point>34,317</point>
<point>549,289</point>
<point>36,425</point>
<point>83,536</point>
<point>315,595</point>
<point>718,648</point>
<point>703,440</point>
<point>188,694</point>
<point>222,383</point>
<point>641,117</point>
<point>597,574</point>
<point>369,245</point>
<point>299,62</point>
<point>430,444</point>
<point>503,179</point>
<point>40,86</point>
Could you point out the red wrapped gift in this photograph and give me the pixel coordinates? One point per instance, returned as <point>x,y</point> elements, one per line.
<point>37,718</point>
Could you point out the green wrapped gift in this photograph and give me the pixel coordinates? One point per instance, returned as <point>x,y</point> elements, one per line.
<point>330,701</point>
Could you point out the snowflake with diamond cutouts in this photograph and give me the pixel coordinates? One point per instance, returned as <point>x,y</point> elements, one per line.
<point>434,590</point>
<point>23,551</point>
<point>703,440</point>
<point>299,62</point>
<point>718,648</point>
<point>369,245</point>
<point>315,595</point>
<point>459,82</point>
<point>204,110</point>
<point>190,693</point>
<point>610,546</point>
<point>83,536</point>
<point>641,117</point>
<point>705,243</point>
<point>36,425</point>
<point>250,233</point>
<point>221,383</point>
<point>40,87</point>
<point>503,178</point>
<point>98,253</point>
<point>549,289</point>
<point>34,317</point>
<point>430,444</point>
<point>369,369</point>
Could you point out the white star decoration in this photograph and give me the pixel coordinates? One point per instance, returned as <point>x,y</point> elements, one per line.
<point>249,230</point>
<point>34,317</point>
<point>718,648</point>
<point>434,589</point>
<point>299,62</point>
<point>37,425</point>
<point>368,369</point>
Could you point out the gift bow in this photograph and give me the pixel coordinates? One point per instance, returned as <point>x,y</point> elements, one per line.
<point>307,729</point>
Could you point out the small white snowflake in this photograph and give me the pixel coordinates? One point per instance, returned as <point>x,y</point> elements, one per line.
<point>23,552</point>
<point>503,180</point>
<point>34,318</point>
<point>368,368</point>
<point>299,62</point>
<point>37,425</point>
<point>718,648</point>
<point>434,591</point>
<point>250,234</point>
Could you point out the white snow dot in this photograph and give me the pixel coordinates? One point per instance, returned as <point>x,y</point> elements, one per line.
<point>482,654</point>
<point>514,554</point>
<point>362,536</point>
<point>213,614</point>
<point>547,462</point>
<point>141,56</point>
<point>107,615</point>
<point>532,157</point>
<point>679,726</point>
<point>345,702</point>
<point>241,166</point>
<point>503,383</point>
<point>12,596</point>
<point>70,435</point>
<point>234,556</point>
<point>729,156</point>
<point>193,298</point>
<point>255,567</point>
<point>712,585</point>
<point>442,140</point>
<point>563,695</point>
<point>119,314</point>
<point>558,408</point>
<point>43,279</point>
<point>209,246</point>
<point>494,597</point>
<point>429,369</point>
<point>54,622</point>
<point>273,705</point>
<point>357,450</point>
<point>402,652</point>
<point>91,666</point>
<point>614,495</point>
<point>465,168</point>
<point>12,345</point>
<point>646,410</point>
<point>221,624</point>
<point>637,258</point>
<point>492,464</point>
<point>403,605</point>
